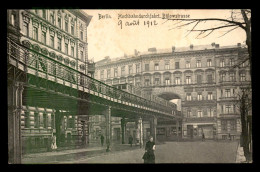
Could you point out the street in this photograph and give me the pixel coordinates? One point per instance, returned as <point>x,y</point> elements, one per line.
<point>172,152</point>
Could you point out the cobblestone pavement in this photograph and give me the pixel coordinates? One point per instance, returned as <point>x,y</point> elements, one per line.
<point>173,152</point>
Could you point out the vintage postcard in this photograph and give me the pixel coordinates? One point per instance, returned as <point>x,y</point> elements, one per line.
<point>129,86</point>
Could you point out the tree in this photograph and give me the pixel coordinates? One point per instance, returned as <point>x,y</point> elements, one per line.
<point>238,19</point>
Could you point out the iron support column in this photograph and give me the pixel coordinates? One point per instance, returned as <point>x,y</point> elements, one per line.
<point>108,127</point>
<point>153,125</point>
<point>15,91</point>
<point>123,129</point>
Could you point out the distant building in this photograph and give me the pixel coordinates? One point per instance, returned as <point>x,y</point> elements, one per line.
<point>203,77</point>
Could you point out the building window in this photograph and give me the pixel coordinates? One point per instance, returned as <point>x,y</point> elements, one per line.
<point>108,73</point>
<point>81,35</point>
<point>156,66</point>
<point>243,64</point>
<point>146,67</point>
<point>157,81</point>
<point>81,55</point>
<point>66,49</point>
<point>222,77</point>
<point>177,65</point>
<point>138,68</point>
<point>210,78</point>
<point>44,14</point>
<point>59,22</point>
<point>44,37</point>
<point>210,96</point>
<point>199,79</point>
<point>102,74</point>
<point>36,120</point>
<point>198,63</point>
<point>35,33</point>
<point>13,18</point>
<point>72,30</point>
<point>188,96</point>
<point>130,68</point>
<point>72,51</point>
<point>45,121</point>
<point>231,76</point>
<point>52,121</point>
<point>199,96</point>
<point>147,82</point>
<point>52,18</point>
<point>210,112</point>
<point>187,64</point>
<point>222,63</point>
<point>177,80</point>
<point>209,62</point>
<point>233,125</point>
<point>228,109</point>
<point>199,113</point>
<point>167,66</point>
<point>224,125</point>
<point>52,41</point>
<point>115,72</point>
<point>27,119</point>
<point>122,70</point>
<point>167,81</point>
<point>59,44</point>
<point>26,29</point>
<point>189,113</point>
<point>188,79</point>
<point>242,77</point>
<point>66,26</point>
<point>227,93</point>
<point>231,62</point>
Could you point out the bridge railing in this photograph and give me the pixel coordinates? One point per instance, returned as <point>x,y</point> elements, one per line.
<point>44,64</point>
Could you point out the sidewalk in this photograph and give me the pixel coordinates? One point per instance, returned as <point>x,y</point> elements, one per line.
<point>74,154</point>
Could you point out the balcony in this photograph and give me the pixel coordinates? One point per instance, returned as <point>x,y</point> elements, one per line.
<point>36,131</point>
<point>200,119</point>
<point>199,102</point>
<point>229,115</point>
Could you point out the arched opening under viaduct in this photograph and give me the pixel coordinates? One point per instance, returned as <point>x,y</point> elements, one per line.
<point>170,131</point>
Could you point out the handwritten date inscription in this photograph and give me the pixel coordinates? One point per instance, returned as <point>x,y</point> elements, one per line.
<point>147,23</point>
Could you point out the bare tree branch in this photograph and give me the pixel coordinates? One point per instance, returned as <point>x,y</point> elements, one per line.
<point>240,24</point>
<point>228,31</point>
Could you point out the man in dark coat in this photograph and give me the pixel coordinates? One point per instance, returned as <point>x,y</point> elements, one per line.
<point>102,139</point>
<point>203,137</point>
<point>131,140</point>
<point>149,157</point>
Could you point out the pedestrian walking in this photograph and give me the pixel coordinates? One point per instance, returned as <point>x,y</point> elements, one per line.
<point>131,140</point>
<point>149,157</point>
<point>229,135</point>
<point>102,139</point>
<point>53,144</point>
<point>203,137</point>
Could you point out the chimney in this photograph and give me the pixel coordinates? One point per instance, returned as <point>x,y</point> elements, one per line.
<point>173,48</point>
<point>136,52</point>
<point>191,46</point>
<point>217,46</point>
<point>213,44</point>
<point>152,49</point>
<point>239,44</point>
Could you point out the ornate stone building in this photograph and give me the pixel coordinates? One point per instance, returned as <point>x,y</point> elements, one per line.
<point>60,35</point>
<point>202,77</point>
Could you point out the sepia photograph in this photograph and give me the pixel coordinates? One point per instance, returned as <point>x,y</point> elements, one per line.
<point>129,86</point>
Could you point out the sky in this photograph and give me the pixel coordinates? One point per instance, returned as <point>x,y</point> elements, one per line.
<point>112,36</point>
